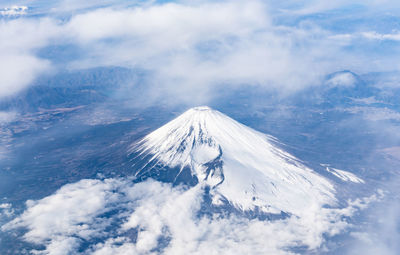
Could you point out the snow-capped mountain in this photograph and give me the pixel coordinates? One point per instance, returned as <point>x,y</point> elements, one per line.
<point>242,167</point>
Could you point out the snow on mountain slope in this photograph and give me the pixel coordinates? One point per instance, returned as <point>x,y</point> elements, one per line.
<point>343,175</point>
<point>242,166</point>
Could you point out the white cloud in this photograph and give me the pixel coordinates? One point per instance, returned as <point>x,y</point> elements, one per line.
<point>378,36</point>
<point>188,47</point>
<point>345,79</point>
<point>6,211</point>
<point>81,212</point>
<point>14,10</point>
<point>19,40</point>
<point>18,71</point>
<point>6,117</point>
<point>63,212</point>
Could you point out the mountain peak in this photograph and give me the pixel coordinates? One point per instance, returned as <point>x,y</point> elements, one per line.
<point>198,113</point>
<point>242,166</point>
<point>201,108</point>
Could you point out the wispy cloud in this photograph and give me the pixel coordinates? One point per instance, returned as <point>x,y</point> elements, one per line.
<point>375,113</point>
<point>14,10</point>
<point>379,36</point>
<point>382,231</point>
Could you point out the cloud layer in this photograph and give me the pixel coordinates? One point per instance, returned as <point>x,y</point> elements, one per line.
<point>115,216</point>
<point>189,47</point>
